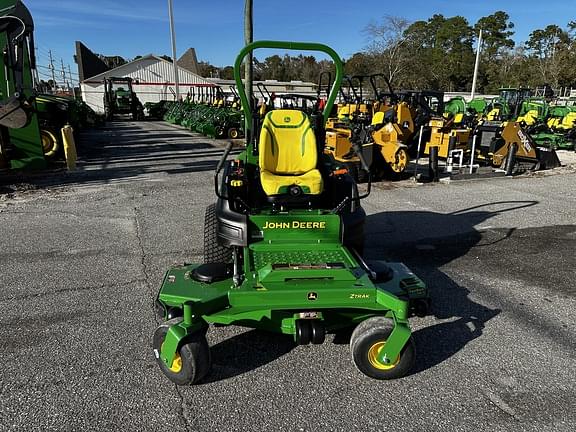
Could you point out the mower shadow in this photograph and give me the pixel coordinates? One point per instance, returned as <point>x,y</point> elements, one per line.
<point>246,352</point>
<point>426,242</point>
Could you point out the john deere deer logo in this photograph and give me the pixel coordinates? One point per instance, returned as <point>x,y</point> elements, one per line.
<point>287,119</point>
<point>312,296</point>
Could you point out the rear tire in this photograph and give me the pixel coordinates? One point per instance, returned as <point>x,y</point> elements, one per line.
<point>220,132</point>
<point>368,339</point>
<point>213,252</point>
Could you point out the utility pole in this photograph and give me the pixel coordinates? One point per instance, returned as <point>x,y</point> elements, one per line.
<point>72,82</point>
<point>35,75</point>
<point>52,70</point>
<point>478,49</point>
<point>174,60</point>
<point>64,75</point>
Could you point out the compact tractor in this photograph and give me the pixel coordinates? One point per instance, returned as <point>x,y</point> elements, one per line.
<point>120,99</point>
<point>283,249</point>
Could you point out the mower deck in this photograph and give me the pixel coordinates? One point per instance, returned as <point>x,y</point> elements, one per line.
<point>294,288</point>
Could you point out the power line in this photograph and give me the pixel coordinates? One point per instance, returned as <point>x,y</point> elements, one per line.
<point>48,68</point>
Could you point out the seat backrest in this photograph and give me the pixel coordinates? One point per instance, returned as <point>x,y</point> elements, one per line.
<point>378,118</point>
<point>287,143</point>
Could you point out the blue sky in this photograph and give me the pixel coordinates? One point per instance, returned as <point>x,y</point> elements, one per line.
<point>215,28</point>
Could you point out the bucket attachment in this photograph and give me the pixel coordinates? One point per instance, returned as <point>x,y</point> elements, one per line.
<point>547,158</point>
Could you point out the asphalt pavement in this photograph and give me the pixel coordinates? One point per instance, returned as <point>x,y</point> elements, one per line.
<point>82,257</point>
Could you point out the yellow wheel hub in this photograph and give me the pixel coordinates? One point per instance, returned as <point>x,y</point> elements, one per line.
<point>49,142</point>
<point>401,161</point>
<point>176,364</point>
<point>373,357</point>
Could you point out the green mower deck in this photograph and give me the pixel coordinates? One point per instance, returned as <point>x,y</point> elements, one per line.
<point>293,275</point>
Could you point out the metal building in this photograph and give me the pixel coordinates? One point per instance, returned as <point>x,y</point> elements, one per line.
<point>153,81</point>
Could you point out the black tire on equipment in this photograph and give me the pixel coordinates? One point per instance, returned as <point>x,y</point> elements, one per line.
<point>194,353</point>
<point>213,252</point>
<point>377,330</point>
<point>303,332</point>
<point>318,332</point>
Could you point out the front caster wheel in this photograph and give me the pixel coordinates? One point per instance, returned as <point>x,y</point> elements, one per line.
<point>368,339</point>
<point>192,361</point>
<point>303,332</point>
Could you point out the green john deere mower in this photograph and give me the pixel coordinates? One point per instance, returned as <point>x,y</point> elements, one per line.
<point>283,252</point>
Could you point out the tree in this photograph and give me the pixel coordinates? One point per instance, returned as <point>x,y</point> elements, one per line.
<point>207,70</point>
<point>227,72</point>
<point>440,53</point>
<point>498,57</point>
<point>549,47</point>
<point>387,45</point>
<point>496,34</point>
<point>360,64</point>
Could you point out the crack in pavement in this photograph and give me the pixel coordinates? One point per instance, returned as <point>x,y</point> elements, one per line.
<point>143,265</point>
<point>182,411</point>
<point>499,403</point>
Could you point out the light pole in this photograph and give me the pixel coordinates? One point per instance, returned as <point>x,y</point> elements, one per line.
<point>174,60</point>
<point>476,65</point>
<point>248,38</point>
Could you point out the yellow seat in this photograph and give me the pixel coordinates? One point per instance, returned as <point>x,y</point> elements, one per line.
<point>378,118</point>
<point>288,154</point>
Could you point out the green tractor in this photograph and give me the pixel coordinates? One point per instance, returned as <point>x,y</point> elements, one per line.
<point>120,99</point>
<point>508,104</point>
<point>283,247</point>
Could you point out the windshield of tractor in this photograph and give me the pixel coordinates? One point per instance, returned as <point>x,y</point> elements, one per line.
<point>510,96</point>
<point>120,87</point>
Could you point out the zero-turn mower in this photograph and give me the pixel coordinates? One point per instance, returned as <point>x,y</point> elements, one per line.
<point>283,252</point>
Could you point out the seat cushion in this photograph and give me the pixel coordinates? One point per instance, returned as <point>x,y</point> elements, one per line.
<point>287,143</point>
<point>288,154</point>
<point>310,182</point>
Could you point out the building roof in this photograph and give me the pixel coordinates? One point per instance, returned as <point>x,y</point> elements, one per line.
<point>138,67</point>
<point>189,61</point>
<point>89,64</point>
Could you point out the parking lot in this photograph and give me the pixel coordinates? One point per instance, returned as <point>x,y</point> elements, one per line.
<point>82,257</point>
